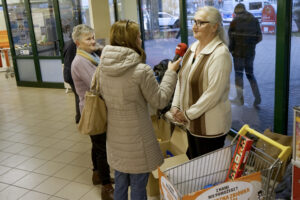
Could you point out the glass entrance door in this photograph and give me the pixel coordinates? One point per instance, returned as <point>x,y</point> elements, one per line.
<point>37,41</point>
<point>22,42</point>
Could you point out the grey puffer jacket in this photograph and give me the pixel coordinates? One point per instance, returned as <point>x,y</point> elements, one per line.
<point>127,86</point>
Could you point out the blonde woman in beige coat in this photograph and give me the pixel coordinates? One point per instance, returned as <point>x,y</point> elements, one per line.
<point>127,85</point>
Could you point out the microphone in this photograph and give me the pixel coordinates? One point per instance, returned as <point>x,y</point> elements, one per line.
<point>179,51</point>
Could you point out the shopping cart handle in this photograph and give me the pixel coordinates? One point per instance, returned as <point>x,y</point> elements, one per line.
<point>285,150</point>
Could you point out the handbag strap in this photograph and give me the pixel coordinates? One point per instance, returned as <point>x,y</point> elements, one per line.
<point>95,85</point>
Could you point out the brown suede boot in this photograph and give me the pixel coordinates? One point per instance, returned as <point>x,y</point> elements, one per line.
<point>107,192</point>
<point>96,178</point>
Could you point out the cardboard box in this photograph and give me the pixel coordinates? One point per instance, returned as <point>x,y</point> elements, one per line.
<point>239,158</point>
<point>177,145</point>
<point>246,187</point>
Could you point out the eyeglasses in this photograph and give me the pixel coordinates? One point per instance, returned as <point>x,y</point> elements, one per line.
<point>199,23</point>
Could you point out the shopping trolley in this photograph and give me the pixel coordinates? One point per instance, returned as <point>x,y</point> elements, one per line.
<point>212,168</point>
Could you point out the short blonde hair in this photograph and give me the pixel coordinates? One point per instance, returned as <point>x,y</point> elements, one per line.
<point>125,33</point>
<point>80,30</point>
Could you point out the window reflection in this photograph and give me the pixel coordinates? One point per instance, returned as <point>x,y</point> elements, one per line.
<point>294,92</point>
<point>85,15</point>
<point>45,28</point>
<point>258,117</point>
<point>161,24</point>
<point>69,14</point>
<point>19,28</point>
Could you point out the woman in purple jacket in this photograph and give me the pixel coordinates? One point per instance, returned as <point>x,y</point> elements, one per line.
<point>83,68</point>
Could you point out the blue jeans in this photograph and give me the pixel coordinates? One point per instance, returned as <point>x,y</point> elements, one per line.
<point>137,183</point>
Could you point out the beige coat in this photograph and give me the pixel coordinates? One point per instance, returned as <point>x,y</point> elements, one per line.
<point>127,86</point>
<point>214,103</point>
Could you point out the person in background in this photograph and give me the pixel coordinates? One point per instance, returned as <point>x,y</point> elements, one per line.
<point>201,97</point>
<point>69,54</point>
<point>244,33</point>
<point>127,85</point>
<point>83,68</point>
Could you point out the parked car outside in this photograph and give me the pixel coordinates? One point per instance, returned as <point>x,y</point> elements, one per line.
<point>167,20</point>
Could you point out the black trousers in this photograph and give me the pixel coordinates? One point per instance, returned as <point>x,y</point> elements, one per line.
<point>245,64</point>
<point>199,146</point>
<point>77,116</point>
<point>99,157</point>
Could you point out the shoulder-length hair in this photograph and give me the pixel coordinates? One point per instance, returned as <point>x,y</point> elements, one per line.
<point>214,17</point>
<point>125,33</point>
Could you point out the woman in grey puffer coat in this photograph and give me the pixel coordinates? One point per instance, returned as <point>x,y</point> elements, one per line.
<point>127,85</point>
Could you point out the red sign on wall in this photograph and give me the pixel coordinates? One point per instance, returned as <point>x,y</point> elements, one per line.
<point>268,19</point>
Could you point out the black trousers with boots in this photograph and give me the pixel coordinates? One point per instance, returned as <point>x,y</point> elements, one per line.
<point>99,157</point>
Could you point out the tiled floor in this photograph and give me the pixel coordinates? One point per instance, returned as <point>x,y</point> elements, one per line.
<point>42,156</point>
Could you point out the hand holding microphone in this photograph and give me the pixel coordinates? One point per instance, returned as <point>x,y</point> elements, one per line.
<point>179,52</point>
<point>174,65</point>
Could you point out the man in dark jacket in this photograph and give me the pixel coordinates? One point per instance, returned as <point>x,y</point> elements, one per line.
<point>69,54</point>
<point>244,33</point>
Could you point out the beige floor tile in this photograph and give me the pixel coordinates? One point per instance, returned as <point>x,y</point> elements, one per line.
<point>12,176</point>
<point>95,193</point>
<point>32,195</point>
<point>31,151</point>
<point>12,193</point>
<point>15,148</point>
<point>51,186</point>
<point>77,137</point>
<point>49,168</point>
<point>80,147</point>
<point>63,144</point>
<point>5,144</point>
<point>14,160</point>
<point>57,198</point>
<point>32,139</point>
<point>85,177</point>
<point>18,127</point>
<point>74,191</point>
<point>48,153</point>
<point>8,125</point>
<point>62,134</point>
<point>66,157</point>
<point>31,180</point>
<point>47,142</point>
<point>3,186</point>
<point>31,164</point>
<point>5,133</point>
<point>70,172</point>
<point>18,137</point>
<point>71,127</point>
<point>4,169</point>
<point>4,155</point>
<point>84,160</point>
